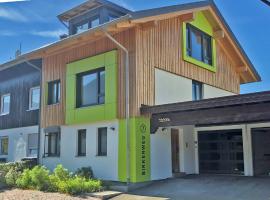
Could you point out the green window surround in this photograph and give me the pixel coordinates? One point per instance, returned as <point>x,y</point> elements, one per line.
<point>92,113</point>
<point>201,24</point>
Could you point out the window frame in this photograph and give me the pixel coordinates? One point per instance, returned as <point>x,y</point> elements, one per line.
<point>204,36</point>
<point>86,21</point>
<point>2,104</point>
<point>50,93</point>
<point>30,98</point>
<point>28,148</point>
<point>79,87</point>
<point>79,142</point>
<point>1,138</point>
<point>99,143</point>
<point>194,85</point>
<point>57,145</point>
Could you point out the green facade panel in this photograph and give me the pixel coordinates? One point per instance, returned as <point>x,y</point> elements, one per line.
<point>90,114</point>
<point>201,23</point>
<point>139,150</point>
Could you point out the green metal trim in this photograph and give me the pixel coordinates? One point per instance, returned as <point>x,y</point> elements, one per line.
<point>139,150</point>
<point>107,111</point>
<point>201,23</point>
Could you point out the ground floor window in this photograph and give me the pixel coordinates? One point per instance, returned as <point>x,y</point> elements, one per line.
<point>4,146</point>
<point>32,145</point>
<point>81,146</point>
<point>102,142</point>
<point>52,144</point>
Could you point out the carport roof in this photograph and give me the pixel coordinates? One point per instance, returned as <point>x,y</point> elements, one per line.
<point>246,108</point>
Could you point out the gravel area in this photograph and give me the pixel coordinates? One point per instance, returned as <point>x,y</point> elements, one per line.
<point>16,194</point>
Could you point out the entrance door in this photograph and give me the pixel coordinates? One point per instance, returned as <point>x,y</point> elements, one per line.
<point>221,152</point>
<point>175,150</point>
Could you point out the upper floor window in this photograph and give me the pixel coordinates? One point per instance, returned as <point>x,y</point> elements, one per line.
<point>34,98</point>
<point>197,91</point>
<point>4,146</point>
<point>5,104</point>
<point>94,22</point>
<point>91,88</point>
<point>54,91</point>
<point>199,44</point>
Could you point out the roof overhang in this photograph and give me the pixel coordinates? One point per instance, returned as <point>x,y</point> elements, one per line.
<point>146,18</point>
<point>237,109</point>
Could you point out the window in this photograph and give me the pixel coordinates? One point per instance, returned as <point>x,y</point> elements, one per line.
<point>5,104</point>
<point>94,23</point>
<point>54,92</point>
<point>196,91</point>
<point>81,143</point>
<point>199,45</point>
<point>112,17</point>
<point>91,88</point>
<point>102,142</point>
<point>52,144</point>
<point>32,145</point>
<point>82,28</point>
<point>34,98</point>
<point>4,146</point>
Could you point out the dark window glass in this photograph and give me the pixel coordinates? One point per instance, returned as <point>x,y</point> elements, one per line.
<point>199,44</point>
<point>81,28</point>
<point>102,142</point>
<point>82,142</point>
<point>54,92</point>
<point>196,91</point>
<point>52,144</point>
<point>91,88</point>
<point>4,146</point>
<point>94,23</point>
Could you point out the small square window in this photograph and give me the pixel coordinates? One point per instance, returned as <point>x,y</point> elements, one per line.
<point>81,146</point>
<point>54,92</point>
<point>197,91</point>
<point>34,98</point>
<point>4,145</point>
<point>102,142</point>
<point>94,23</point>
<point>5,104</point>
<point>52,144</point>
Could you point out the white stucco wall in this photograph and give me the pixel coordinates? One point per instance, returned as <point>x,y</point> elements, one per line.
<point>212,92</point>
<point>18,142</point>
<point>161,164</point>
<point>171,88</point>
<point>105,167</point>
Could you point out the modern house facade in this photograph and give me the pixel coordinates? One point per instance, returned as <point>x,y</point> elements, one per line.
<point>19,118</point>
<point>101,86</point>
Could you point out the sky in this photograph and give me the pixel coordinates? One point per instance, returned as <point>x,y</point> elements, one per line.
<point>34,23</point>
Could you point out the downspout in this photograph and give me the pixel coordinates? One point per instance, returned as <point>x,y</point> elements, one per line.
<point>127,100</point>
<point>40,99</point>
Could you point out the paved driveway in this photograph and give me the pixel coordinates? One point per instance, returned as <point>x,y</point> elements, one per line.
<point>204,188</point>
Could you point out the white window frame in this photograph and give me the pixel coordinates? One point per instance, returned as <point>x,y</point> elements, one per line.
<point>30,98</point>
<point>2,104</point>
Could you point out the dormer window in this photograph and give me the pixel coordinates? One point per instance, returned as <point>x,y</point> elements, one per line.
<point>92,23</point>
<point>82,28</point>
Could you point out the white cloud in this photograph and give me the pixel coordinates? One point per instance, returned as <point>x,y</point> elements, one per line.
<point>51,33</point>
<point>7,33</point>
<point>13,15</point>
<point>9,1</point>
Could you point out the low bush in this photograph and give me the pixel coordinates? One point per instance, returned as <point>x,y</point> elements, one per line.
<point>61,180</point>
<point>85,172</point>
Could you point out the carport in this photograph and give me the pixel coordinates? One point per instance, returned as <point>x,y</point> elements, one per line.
<point>232,134</point>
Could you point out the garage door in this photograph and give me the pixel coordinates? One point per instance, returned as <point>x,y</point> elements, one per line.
<point>221,152</point>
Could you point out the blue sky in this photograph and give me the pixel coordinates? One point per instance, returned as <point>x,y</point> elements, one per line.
<point>33,23</point>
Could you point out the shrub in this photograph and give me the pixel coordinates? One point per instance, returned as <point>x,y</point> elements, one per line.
<point>11,177</point>
<point>85,172</point>
<point>24,181</point>
<point>61,173</point>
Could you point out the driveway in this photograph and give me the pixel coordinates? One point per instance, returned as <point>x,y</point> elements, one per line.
<point>204,187</point>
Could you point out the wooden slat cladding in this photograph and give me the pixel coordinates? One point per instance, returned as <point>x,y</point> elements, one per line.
<point>54,67</point>
<point>161,47</point>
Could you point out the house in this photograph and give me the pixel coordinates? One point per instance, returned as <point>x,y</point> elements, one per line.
<point>140,96</point>
<point>19,117</point>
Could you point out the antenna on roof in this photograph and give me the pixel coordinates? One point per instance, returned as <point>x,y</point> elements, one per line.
<point>267,2</point>
<point>18,51</point>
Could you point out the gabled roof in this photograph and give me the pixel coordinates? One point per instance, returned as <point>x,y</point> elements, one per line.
<point>89,5</point>
<point>139,17</point>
